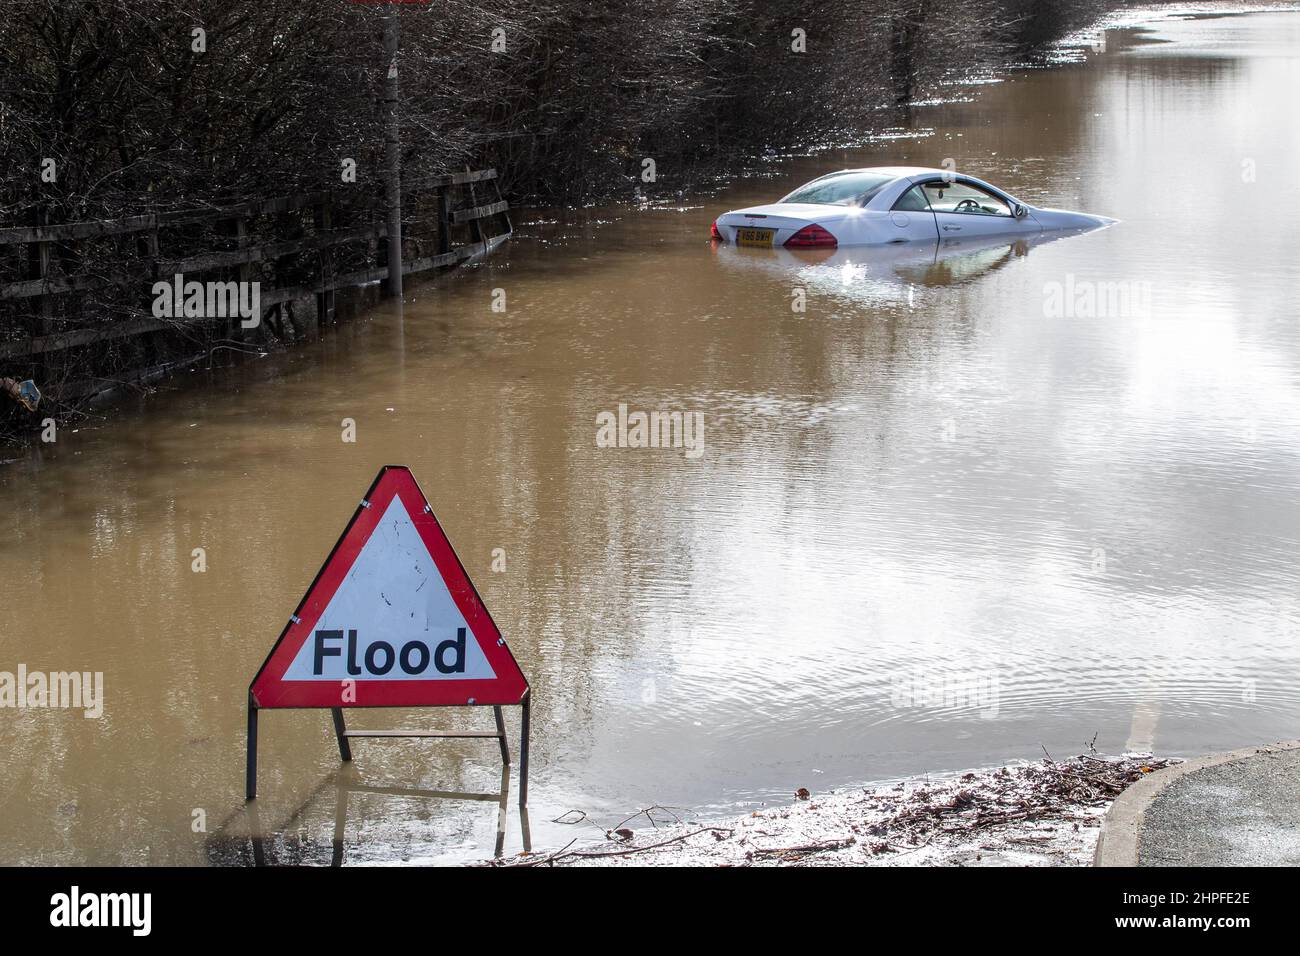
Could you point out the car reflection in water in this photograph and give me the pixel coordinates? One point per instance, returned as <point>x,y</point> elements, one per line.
<point>888,273</point>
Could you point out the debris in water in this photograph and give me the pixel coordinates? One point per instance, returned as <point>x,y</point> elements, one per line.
<point>25,393</point>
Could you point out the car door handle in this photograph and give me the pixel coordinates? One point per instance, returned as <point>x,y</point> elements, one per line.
<point>952,228</point>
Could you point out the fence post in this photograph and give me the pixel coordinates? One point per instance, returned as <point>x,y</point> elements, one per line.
<point>392,156</point>
<point>444,220</point>
<point>245,268</point>
<point>475,224</point>
<point>325,298</point>
<point>496,183</point>
<point>39,268</point>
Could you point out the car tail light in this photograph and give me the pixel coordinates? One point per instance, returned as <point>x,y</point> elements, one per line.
<point>811,237</point>
<point>713,231</point>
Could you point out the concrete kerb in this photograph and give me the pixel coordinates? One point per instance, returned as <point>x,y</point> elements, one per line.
<point>1121,831</point>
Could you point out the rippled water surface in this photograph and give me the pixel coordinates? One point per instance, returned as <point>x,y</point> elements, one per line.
<point>937,524</point>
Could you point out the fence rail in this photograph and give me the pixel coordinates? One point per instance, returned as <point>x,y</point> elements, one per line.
<point>49,278</point>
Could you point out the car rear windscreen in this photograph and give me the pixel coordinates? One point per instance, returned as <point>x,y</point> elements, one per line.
<point>842,189</point>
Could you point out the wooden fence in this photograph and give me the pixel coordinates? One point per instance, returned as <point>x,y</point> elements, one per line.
<point>310,245</point>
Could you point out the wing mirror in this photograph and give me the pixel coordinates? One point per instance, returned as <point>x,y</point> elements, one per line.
<point>1021,210</point>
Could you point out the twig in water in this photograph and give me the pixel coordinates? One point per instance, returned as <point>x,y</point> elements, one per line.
<point>550,859</point>
<point>806,848</point>
<point>652,846</point>
<point>650,816</point>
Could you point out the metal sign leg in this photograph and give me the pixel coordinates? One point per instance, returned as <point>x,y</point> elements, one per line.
<point>501,735</point>
<point>341,732</point>
<point>250,773</point>
<point>524,730</point>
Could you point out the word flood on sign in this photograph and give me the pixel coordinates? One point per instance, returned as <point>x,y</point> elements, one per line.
<point>379,657</point>
<point>391,620</point>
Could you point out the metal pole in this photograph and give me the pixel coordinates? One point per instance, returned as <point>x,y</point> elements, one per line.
<point>525,833</point>
<point>502,806</point>
<point>501,735</point>
<point>524,731</point>
<point>250,774</point>
<point>341,732</point>
<point>392,157</point>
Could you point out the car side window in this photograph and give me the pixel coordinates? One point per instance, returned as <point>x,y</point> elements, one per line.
<point>913,201</point>
<point>965,199</point>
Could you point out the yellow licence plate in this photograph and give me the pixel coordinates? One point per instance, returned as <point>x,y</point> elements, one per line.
<point>755,237</point>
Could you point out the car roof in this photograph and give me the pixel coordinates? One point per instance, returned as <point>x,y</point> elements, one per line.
<point>911,174</point>
<point>898,171</point>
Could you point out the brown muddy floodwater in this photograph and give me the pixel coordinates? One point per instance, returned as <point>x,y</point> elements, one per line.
<point>937,523</point>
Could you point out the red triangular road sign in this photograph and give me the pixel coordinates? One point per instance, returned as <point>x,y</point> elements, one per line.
<point>392,619</point>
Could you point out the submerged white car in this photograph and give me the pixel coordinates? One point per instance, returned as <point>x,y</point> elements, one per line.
<point>888,204</point>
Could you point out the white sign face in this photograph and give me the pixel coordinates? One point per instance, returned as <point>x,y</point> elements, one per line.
<point>392,618</point>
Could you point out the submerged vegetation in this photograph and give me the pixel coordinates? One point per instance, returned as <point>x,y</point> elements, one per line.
<point>565,96</point>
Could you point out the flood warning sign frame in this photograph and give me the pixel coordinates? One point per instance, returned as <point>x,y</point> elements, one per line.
<point>355,639</point>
